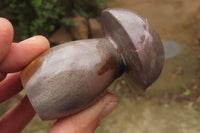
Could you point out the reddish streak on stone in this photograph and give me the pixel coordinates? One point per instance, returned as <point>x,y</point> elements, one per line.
<point>110,64</point>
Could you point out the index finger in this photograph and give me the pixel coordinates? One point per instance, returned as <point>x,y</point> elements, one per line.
<point>6,38</point>
<point>23,53</point>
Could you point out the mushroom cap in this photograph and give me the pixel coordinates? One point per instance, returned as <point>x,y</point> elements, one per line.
<point>138,43</point>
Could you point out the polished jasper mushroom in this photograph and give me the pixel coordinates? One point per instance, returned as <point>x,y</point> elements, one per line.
<point>70,77</point>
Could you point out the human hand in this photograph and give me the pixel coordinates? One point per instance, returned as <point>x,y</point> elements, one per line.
<point>13,58</point>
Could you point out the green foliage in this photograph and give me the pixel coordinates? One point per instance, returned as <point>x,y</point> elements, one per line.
<point>44,16</point>
<point>188,93</point>
<point>123,82</point>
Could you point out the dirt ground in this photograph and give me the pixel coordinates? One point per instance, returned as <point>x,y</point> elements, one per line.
<point>172,103</point>
<point>146,116</point>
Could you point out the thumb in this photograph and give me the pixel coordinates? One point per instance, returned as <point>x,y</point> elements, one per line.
<point>87,120</point>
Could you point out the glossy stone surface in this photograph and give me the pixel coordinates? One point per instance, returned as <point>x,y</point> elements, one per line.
<point>72,76</point>
<point>139,44</point>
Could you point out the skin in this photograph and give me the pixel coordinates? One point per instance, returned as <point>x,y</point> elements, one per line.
<point>13,58</point>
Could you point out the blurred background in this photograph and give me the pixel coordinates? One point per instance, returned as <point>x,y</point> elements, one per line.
<point>171,104</point>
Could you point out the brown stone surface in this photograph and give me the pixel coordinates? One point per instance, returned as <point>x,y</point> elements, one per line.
<point>95,28</point>
<point>81,31</point>
<point>61,36</point>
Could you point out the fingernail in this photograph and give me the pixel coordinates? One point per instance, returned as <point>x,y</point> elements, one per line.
<point>30,39</point>
<point>108,108</point>
<point>34,38</point>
